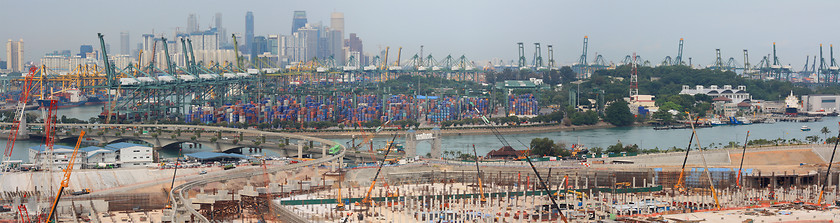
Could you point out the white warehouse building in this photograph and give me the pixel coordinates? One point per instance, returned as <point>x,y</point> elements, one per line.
<point>737,95</point>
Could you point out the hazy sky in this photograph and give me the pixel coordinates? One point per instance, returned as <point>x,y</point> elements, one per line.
<point>481,29</point>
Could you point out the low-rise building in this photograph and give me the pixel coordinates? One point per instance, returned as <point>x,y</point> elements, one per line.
<point>132,155</point>
<point>59,159</point>
<point>98,156</point>
<point>821,103</point>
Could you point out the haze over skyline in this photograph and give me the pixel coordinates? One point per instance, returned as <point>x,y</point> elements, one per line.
<point>481,30</point>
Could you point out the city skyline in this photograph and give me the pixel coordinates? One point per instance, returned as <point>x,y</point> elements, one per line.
<point>481,31</point>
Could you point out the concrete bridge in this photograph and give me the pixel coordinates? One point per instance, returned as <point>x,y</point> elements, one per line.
<point>220,139</point>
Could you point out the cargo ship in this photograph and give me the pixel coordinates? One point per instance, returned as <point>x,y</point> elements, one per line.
<point>67,98</point>
<point>791,105</point>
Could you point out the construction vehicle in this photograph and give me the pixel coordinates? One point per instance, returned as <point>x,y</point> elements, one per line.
<point>81,192</point>
<point>533,168</point>
<point>66,181</point>
<point>20,116</point>
<point>622,185</point>
<point>367,201</point>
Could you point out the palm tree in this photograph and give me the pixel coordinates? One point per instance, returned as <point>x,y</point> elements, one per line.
<point>825,131</point>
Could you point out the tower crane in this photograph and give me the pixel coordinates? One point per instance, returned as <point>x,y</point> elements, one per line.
<point>20,116</point>
<point>537,173</point>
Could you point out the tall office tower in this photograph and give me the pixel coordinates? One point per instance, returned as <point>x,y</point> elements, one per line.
<point>14,55</point>
<point>354,44</point>
<point>249,31</point>
<point>259,46</point>
<point>124,43</point>
<point>218,19</point>
<point>335,46</point>
<point>85,49</point>
<point>273,44</point>
<point>337,21</point>
<point>299,20</point>
<point>192,23</point>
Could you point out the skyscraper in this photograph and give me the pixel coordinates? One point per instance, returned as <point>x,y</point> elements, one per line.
<point>337,21</point>
<point>273,44</point>
<point>84,50</point>
<point>14,55</point>
<point>222,31</point>
<point>260,46</point>
<point>249,32</point>
<point>299,20</point>
<point>354,44</point>
<point>192,23</point>
<point>124,43</point>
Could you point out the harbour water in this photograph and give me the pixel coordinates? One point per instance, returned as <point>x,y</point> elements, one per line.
<point>645,137</point>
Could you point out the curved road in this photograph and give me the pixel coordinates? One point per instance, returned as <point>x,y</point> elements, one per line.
<point>181,197</point>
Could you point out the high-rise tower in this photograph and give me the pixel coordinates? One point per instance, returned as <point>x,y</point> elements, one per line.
<point>299,20</point>
<point>14,55</point>
<point>124,43</point>
<point>192,23</point>
<point>249,31</point>
<point>337,21</point>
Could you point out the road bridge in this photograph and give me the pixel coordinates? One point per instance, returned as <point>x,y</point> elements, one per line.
<point>220,139</point>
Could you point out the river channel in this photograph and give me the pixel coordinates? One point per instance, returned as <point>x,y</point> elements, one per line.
<point>645,137</point>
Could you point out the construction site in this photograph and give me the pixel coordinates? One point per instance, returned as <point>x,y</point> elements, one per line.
<point>755,184</point>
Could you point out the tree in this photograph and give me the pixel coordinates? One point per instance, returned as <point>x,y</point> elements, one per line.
<point>663,115</point>
<point>567,74</point>
<point>543,147</point>
<point>825,131</point>
<point>619,114</point>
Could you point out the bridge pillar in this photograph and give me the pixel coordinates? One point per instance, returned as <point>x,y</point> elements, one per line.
<point>436,143</point>
<point>300,150</point>
<point>323,151</point>
<point>410,143</point>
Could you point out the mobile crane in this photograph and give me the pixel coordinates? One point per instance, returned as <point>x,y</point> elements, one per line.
<point>48,125</point>
<point>367,139</point>
<point>537,173</point>
<point>478,175</point>
<point>366,201</point>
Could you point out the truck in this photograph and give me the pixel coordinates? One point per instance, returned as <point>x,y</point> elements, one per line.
<point>81,192</point>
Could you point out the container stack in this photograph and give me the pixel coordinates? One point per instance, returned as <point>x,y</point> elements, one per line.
<point>525,104</point>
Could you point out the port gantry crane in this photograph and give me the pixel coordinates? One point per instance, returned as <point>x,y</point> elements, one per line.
<point>537,173</point>
<point>20,116</point>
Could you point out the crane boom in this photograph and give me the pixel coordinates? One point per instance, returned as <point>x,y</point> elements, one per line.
<point>19,116</point>
<point>236,52</point>
<point>542,183</point>
<point>478,175</point>
<point>366,200</point>
<point>67,171</point>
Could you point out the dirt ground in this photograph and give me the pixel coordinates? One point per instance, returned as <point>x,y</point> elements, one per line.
<point>787,157</point>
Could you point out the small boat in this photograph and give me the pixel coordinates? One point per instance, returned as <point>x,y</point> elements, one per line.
<point>805,128</point>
